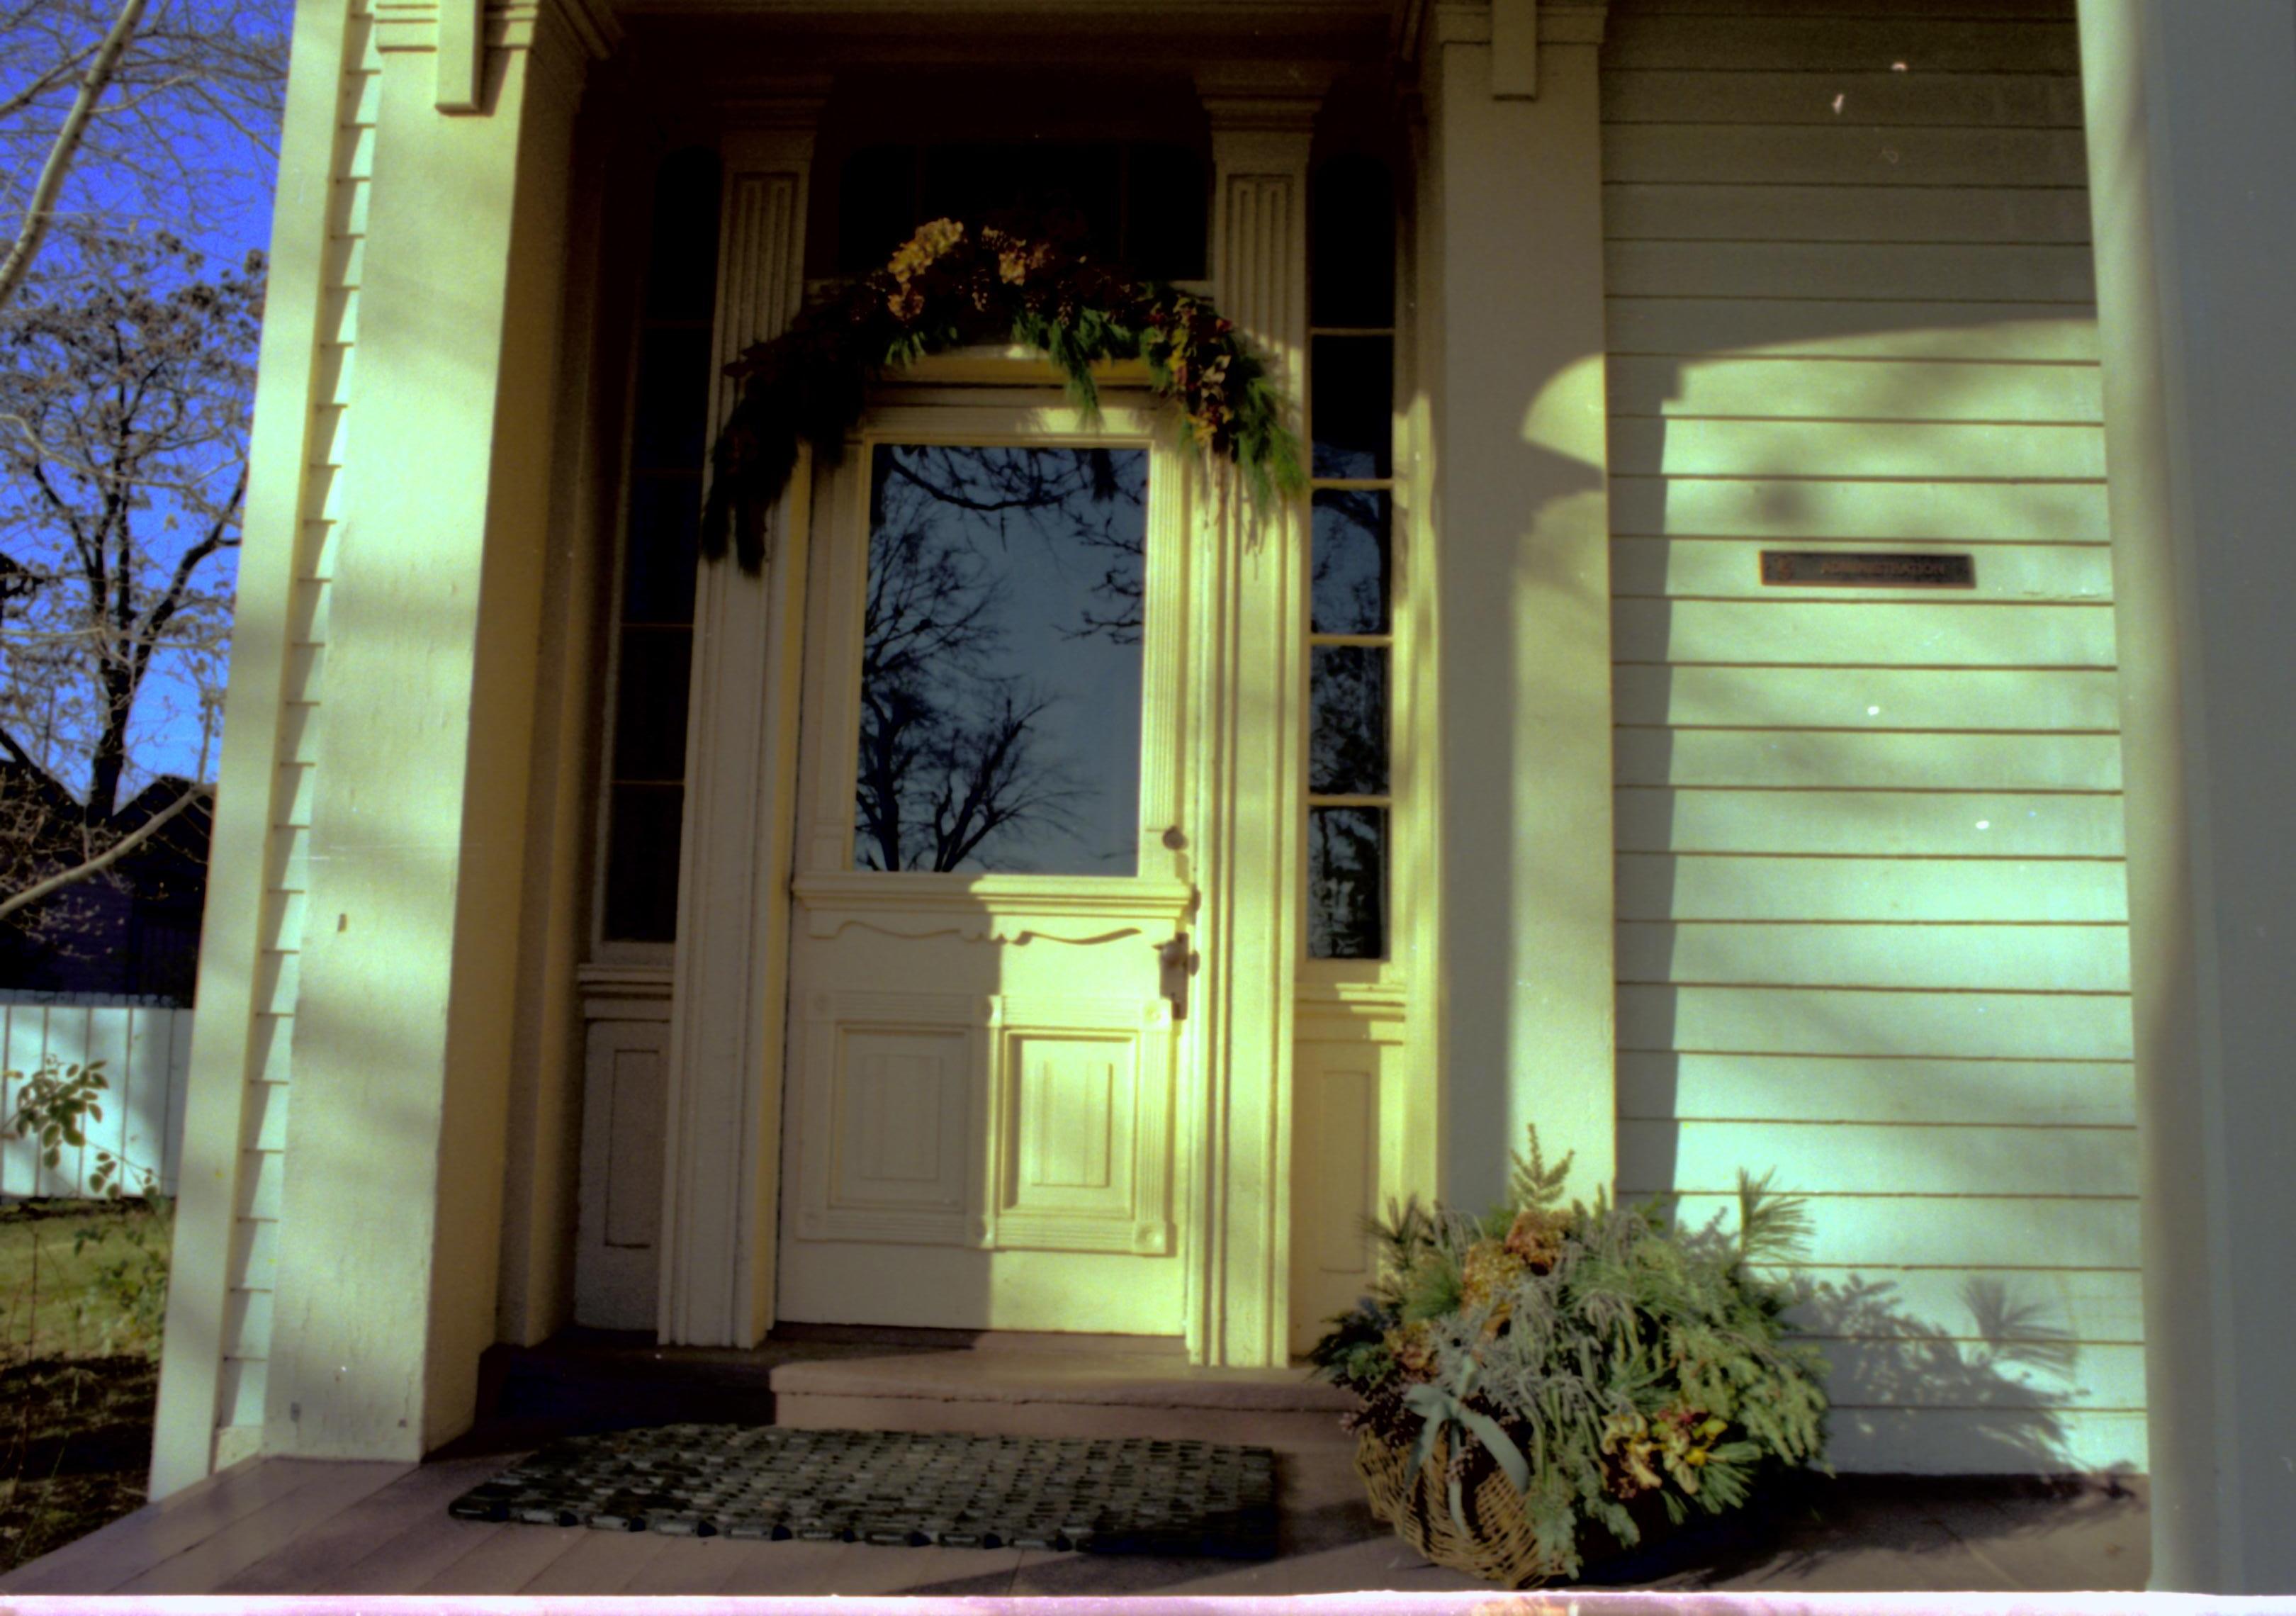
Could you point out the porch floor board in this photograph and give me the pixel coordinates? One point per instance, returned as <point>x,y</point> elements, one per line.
<point>283,1526</point>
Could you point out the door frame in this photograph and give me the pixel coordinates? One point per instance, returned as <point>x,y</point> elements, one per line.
<point>1240,665</point>
<point>995,400</point>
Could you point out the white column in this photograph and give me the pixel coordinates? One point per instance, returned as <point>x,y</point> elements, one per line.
<point>1512,355</point>
<point>1248,829</point>
<point>2192,147</point>
<point>724,1130</point>
<point>226,1043</point>
<point>389,1220</point>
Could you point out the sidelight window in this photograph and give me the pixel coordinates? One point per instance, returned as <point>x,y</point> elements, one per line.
<point>1350,605</point>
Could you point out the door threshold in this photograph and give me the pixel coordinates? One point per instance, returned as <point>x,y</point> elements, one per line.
<point>913,1338</point>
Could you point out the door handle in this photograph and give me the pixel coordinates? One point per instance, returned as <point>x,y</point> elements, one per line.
<point>1176,962</point>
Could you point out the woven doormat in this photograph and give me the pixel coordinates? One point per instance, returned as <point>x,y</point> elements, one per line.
<point>1116,1496</point>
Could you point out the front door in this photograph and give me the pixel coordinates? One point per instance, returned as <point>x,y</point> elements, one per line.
<point>986,1093</point>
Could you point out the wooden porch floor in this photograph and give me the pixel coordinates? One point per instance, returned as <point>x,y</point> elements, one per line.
<point>289,1526</point>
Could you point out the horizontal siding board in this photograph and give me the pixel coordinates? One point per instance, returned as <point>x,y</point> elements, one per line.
<point>1926,632</point>
<point>1987,100</point>
<point>1959,450</point>
<point>1871,697</point>
<point>1823,1158</point>
<point>1850,329</point>
<point>1834,760</point>
<point>1894,271</point>
<point>1943,513</point>
<point>1892,10</point>
<point>1855,389</point>
<point>1854,1022</point>
<point>1981,1441</point>
<point>1647,211</point>
<point>1882,825</point>
<point>1911,1371</point>
<point>1722,887</point>
<point>2093,1307</point>
<point>2034,959</point>
<point>2078,574</point>
<point>1843,155</point>
<point>1666,1085</point>
<point>2024,1233</point>
<point>1813,44</point>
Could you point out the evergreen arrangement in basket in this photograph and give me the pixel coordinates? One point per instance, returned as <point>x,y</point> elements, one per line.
<point>1541,1384</point>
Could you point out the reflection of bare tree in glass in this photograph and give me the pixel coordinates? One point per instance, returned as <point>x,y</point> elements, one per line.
<point>1348,579</point>
<point>950,751</point>
<point>1098,494</point>
<point>1346,883</point>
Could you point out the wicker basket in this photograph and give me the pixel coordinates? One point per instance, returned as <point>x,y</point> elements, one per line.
<point>1497,1548</point>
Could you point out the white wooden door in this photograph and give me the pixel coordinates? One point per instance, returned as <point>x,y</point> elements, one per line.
<point>984,1104</point>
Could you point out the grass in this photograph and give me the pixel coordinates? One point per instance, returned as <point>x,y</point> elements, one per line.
<point>76,1392</point>
<point>66,1314</point>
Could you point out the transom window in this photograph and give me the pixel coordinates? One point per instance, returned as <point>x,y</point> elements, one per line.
<point>1140,204</point>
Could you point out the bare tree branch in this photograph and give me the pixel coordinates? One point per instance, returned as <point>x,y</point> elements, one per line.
<point>102,861</point>
<point>40,213</point>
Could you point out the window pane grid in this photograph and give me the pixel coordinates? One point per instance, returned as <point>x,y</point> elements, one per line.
<point>1350,613</point>
<point>653,630</point>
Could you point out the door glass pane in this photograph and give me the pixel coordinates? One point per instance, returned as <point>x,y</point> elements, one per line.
<point>1000,660</point>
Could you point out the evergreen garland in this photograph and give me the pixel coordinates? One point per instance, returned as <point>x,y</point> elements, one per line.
<point>1595,1355</point>
<point>949,285</point>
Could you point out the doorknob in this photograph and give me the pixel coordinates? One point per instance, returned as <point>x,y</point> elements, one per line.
<point>1178,963</point>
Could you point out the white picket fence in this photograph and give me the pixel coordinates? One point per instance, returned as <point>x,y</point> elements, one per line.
<point>146,1051</point>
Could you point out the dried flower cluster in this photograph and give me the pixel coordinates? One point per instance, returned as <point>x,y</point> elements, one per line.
<point>951,285</point>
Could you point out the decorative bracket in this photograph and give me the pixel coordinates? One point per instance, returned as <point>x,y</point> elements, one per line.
<point>1514,50</point>
<point>1513,29</point>
<point>462,54</point>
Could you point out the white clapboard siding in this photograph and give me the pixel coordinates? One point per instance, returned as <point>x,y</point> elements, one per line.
<point>1687,323</point>
<point>143,1051</point>
<point>1678,1085</point>
<point>2099,1306</point>
<point>1795,629</point>
<point>1878,1159</point>
<point>1657,211</point>
<point>1731,568</point>
<point>1939,511</point>
<point>1967,824</point>
<point>2029,959</point>
<point>1865,699</point>
<point>1821,891</point>
<point>1849,760</point>
<point>1914,389</point>
<point>1871,909</point>
<point>1838,100</point>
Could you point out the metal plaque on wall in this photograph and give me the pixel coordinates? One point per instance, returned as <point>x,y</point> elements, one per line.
<point>1849,568</point>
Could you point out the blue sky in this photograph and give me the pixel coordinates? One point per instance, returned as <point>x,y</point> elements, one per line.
<point>214,191</point>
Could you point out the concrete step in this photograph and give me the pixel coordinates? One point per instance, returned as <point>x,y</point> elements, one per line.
<point>824,1377</point>
<point>1018,1389</point>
